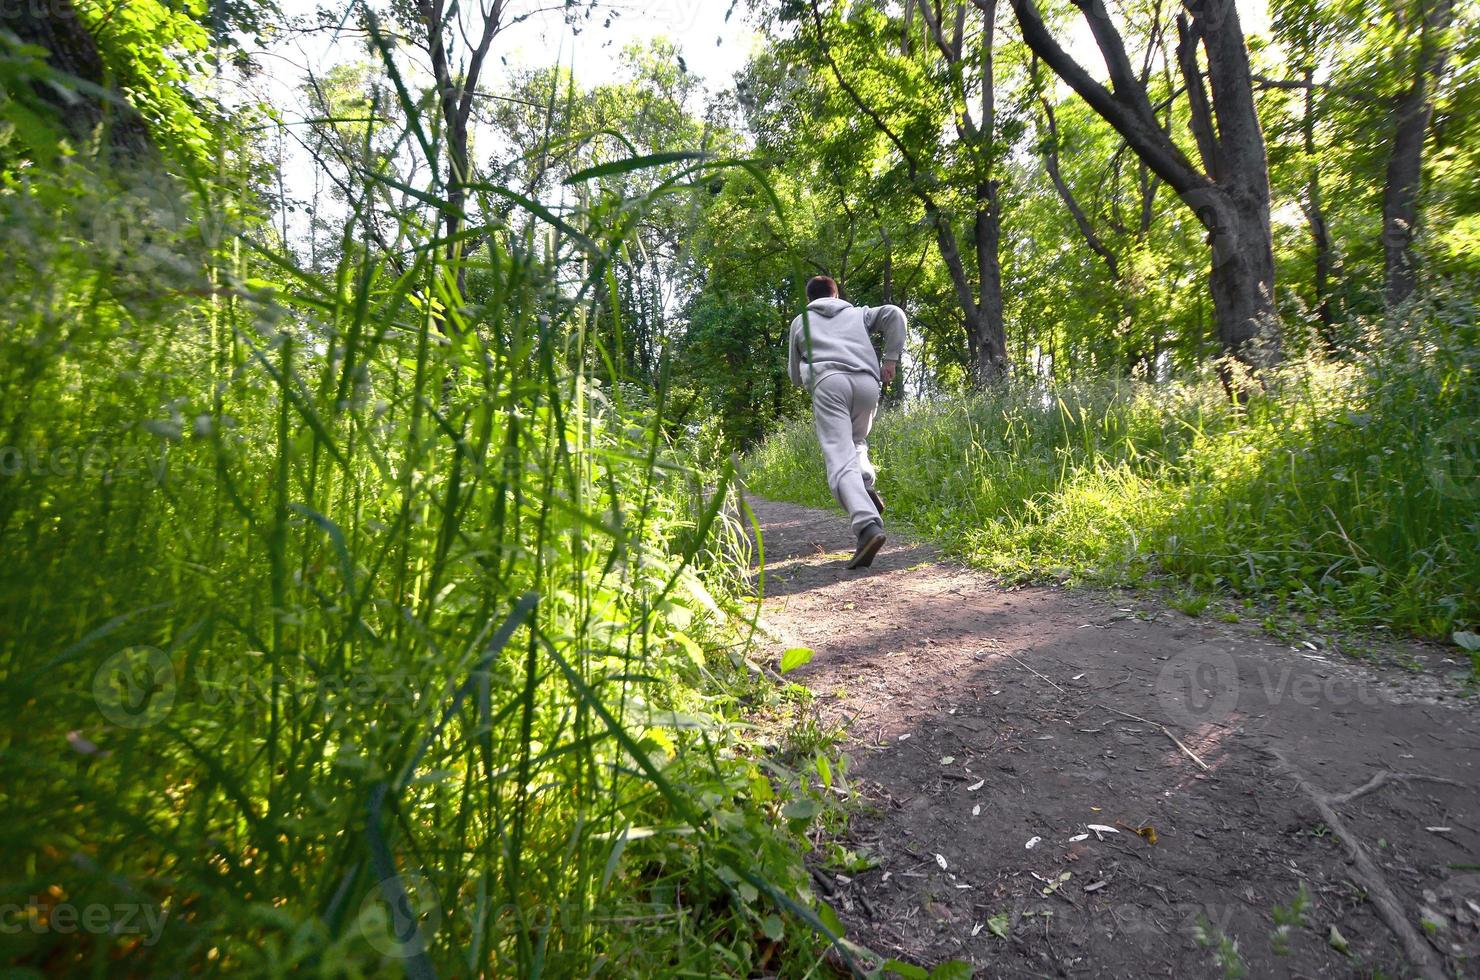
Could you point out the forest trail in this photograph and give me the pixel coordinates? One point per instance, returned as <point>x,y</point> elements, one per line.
<point>982,719</point>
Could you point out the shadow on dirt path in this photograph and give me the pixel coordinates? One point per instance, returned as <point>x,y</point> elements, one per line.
<point>989,727</point>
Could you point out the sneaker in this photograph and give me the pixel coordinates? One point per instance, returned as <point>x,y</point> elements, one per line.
<point>870,540</point>
<point>877,499</point>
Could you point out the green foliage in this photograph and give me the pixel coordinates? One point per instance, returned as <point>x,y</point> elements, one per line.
<point>1288,918</point>
<point>733,357</point>
<point>1225,948</point>
<point>1144,311</point>
<point>950,970</point>
<point>1346,490</point>
<point>369,598</point>
<point>153,49</point>
<point>355,627</point>
<point>574,140</point>
<point>794,658</point>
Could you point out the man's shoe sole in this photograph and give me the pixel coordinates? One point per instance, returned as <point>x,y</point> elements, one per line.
<point>878,500</point>
<point>864,556</point>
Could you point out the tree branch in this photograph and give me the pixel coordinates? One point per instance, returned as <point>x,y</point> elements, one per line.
<point>491,27</point>
<point>937,34</point>
<point>1242,159</point>
<point>1051,164</point>
<point>858,100</point>
<point>1201,119</point>
<point>1123,80</point>
<point>1140,130</point>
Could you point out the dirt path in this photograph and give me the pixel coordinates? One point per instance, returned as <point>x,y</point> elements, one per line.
<point>983,719</point>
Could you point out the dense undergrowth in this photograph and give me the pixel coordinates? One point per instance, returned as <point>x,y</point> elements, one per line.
<point>1347,491</point>
<point>352,627</point>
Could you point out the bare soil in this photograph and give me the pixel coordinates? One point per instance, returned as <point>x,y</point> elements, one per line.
<point>988,727</point>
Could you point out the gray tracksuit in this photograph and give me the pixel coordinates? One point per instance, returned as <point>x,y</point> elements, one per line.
<point>831,355</point>
<point>839,340</point>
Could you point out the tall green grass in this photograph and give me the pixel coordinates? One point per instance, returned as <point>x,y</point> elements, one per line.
<point>352,626</point>
<point>1347,489</point>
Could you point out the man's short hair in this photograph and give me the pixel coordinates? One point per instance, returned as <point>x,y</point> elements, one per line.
<point>821,287</point>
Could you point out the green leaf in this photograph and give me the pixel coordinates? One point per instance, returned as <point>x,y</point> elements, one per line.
<point>1466,640</point>
<point>800,810</point>
<point>771,926</point>
<point>794,658</point>
<point>613,859</point>
<point>336,538</point>
<point>829,918</point>
<point>952,970</point>
<point>695,652</point>
<point>998,925</point>
<point>907,970</point>
<point>635,163</point>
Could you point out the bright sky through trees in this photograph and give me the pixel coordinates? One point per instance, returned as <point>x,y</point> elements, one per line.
<point>713,37</point>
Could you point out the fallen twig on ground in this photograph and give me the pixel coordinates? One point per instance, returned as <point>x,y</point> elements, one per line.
<point>1420,954</point>
<point>1026,667</point>
<point>1165,731</point>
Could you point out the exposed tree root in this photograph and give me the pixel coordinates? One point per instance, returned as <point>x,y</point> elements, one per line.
<point>1420,954</point>
<point>1382,779</point>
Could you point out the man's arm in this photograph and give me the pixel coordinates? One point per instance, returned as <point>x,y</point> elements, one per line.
<point>793,355</point>
<point>889,321</point>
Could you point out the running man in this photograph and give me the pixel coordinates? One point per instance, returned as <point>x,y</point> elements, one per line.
<point>832,356</point>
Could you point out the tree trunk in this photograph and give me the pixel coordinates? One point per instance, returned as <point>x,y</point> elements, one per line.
<point>1230,196</point>
<point>1242,276</point>
<point>71,49</point>
<point>1325,265</point>
<point>1412,113</point>
<point>981,308</point>
<point>988,348</point>
<point>1240,280</point>
<point>455,98</point>
<point>1315,218</point>
<point>990,329</point>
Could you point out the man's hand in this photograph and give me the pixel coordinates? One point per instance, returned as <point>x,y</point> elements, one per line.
<point>889,368</point>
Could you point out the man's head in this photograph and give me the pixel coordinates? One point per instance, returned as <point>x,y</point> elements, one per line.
<point>821,287</point>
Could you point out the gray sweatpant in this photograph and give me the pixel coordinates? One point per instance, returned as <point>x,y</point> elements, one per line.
<point>843,406</point>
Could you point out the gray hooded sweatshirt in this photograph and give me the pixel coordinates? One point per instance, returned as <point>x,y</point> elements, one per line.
<point>840,340</point>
